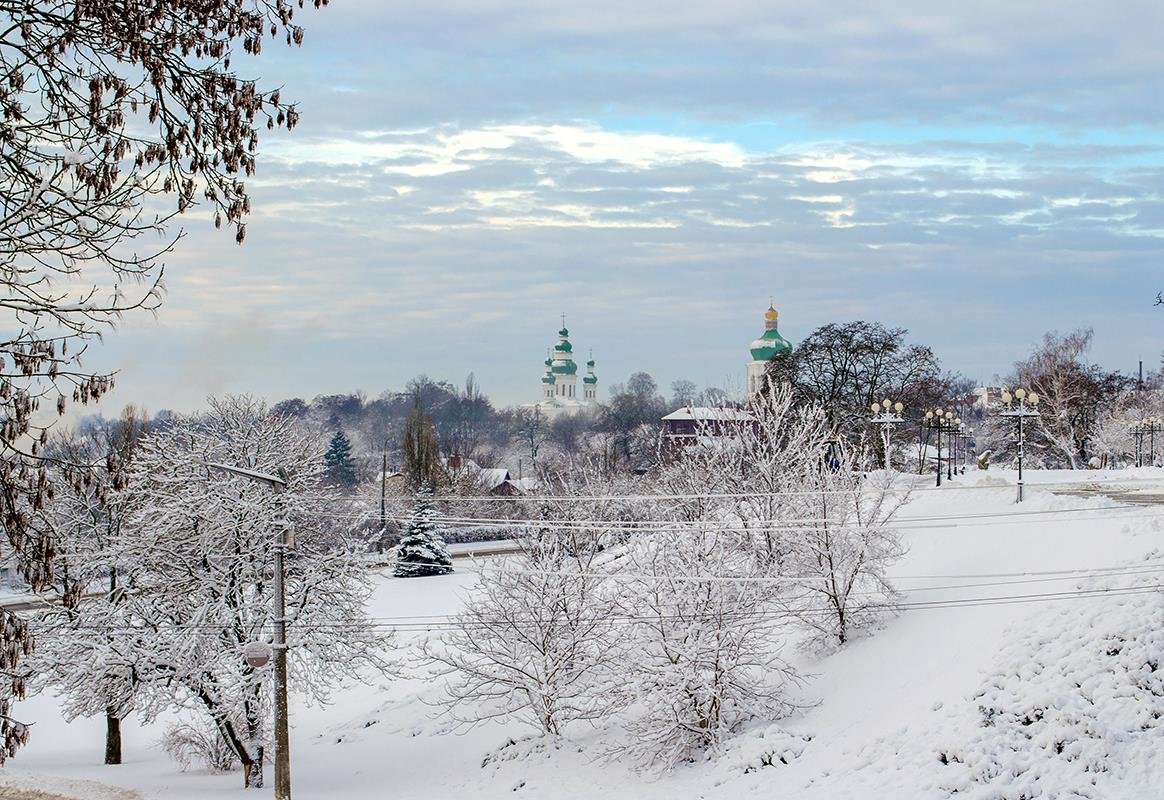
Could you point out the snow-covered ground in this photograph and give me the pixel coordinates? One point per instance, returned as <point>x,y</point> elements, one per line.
<point>1069,686</point>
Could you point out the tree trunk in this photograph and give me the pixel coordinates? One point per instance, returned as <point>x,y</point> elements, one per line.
<point>112,738</point>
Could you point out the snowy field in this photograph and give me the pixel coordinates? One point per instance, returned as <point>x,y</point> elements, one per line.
<point>1061,698</point>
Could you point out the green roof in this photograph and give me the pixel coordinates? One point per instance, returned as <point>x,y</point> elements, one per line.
<point>590,379</point>
<point>565,368</point>
<point>564,347</point>
<point>548,379</point>
<point>563,332</point>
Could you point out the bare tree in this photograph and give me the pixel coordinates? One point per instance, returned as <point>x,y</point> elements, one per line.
<point>532,429</point>
<point>1071,390</point>
<point>194,553</point>
<point>843,542</point>
<point>421,453</point>
<point>705,652</point>
<point>109,108</point>
<point>534,642</point>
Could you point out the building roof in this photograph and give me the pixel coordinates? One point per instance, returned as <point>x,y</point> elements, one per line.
<point>492,477</point>
<point>707,414</point>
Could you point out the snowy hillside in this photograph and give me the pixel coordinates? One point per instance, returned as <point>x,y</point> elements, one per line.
<point>1000,680</point>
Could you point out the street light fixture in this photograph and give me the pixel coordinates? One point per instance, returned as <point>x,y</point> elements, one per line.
<point>277,484</point>
<point>1149,426</point>
<point>887,414</point>
<point>952,425</point>
<point>939,420</point>
<point>1027,407</point>
<point>967,435</point>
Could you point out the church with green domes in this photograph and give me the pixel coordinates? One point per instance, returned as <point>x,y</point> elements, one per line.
<point>560,381</point>
<point>768,345</point>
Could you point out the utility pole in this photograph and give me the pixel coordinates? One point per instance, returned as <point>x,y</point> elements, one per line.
<point>384,492</point>
<point>277,484</point>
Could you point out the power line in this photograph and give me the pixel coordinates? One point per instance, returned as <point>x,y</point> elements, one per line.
<point>1093,487</point>
<point>790,525</point>
<point>451,622</point>
<point>801,580</point>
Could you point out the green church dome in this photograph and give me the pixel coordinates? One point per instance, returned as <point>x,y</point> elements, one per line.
<point>771,342</point>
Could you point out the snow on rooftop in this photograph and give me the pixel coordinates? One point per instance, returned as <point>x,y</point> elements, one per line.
<point>493,477</point>
<point>707,414</point>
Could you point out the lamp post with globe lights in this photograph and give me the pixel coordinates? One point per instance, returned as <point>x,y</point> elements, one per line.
<point>967,437</point>
<point>1139,430</point>
<point>936,421</point>
<point>958,437</point>
<point>887,414</point>
<point>952,434</point>
<point>1027,406</point>
<point>1149,427</point>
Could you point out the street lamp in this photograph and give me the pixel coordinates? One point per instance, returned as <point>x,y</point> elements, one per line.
<point>936,420</point>
<point>952,425</point>
<point>1149,426</point>
<point>278,485</point>
<point>887,414</point>
<point>1137,429</point>
<point>1027,407</point>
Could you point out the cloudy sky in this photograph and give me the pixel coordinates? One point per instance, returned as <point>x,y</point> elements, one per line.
<point>467,170</point>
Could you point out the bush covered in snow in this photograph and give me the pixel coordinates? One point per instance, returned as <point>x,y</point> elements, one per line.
<point>197,743</point>
<point>1075,701</point>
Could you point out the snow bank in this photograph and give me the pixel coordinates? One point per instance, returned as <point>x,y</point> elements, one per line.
<point>1073,709</point>
<point>27,786</point>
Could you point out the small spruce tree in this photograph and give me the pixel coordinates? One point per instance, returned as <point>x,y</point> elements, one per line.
<point>341,469</point>
<point>422,552</point>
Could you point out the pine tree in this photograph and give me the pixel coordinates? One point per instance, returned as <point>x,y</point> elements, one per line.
<point>422,552</point>
<point>341,469</point>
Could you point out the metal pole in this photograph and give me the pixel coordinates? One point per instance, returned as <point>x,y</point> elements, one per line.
<point>939,453</point>
<point>277,483</point>
<point>953,437</point>
<point>1020,454</point>
<point>383,494</point>
<point>886,437</point>
<point>282,748</point>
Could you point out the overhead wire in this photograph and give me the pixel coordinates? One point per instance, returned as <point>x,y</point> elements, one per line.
<point>450,621</point>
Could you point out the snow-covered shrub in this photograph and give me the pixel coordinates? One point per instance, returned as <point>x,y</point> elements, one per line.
<point>195,742</point>
<point>767,747</point>
<point>704,654</point>
<point>534,642</point>
<point>842,544</point>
